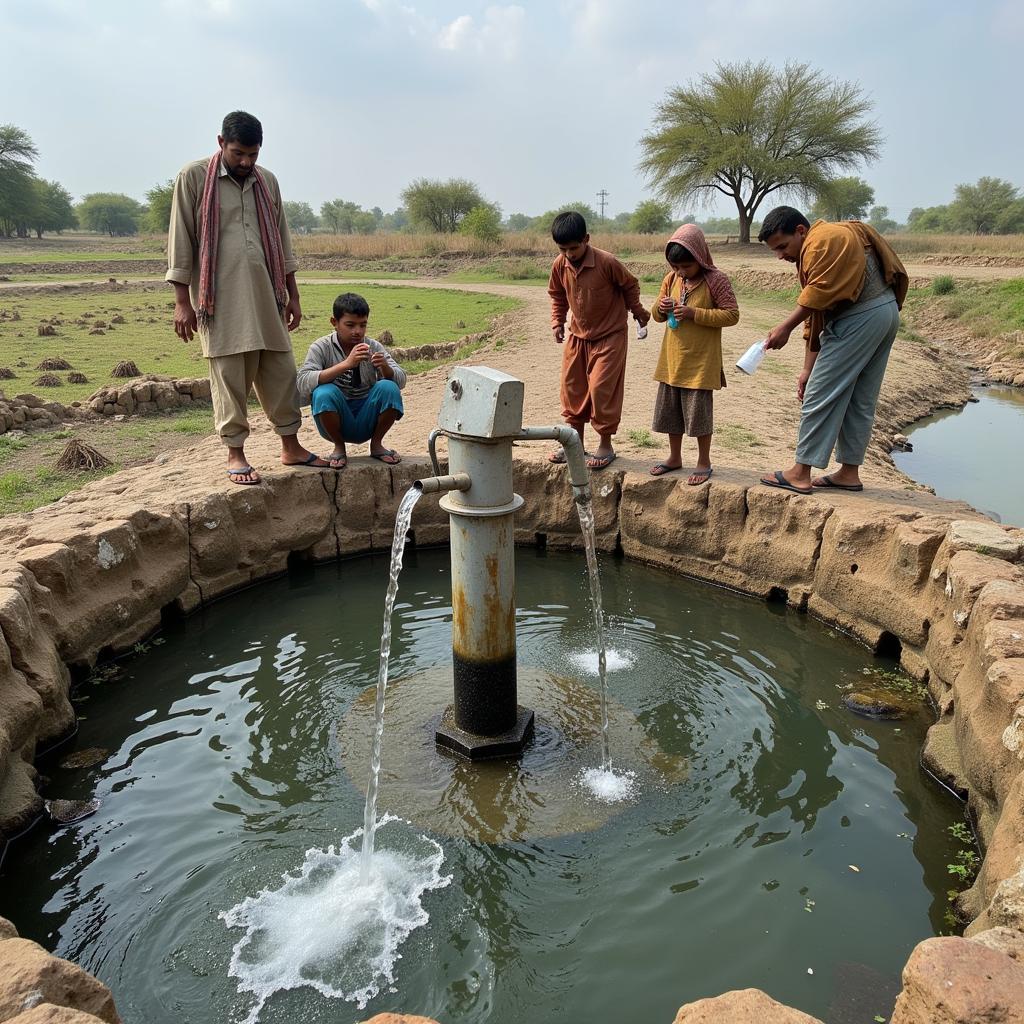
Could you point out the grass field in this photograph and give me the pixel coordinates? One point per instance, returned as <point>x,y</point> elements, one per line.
<point>146,336</point>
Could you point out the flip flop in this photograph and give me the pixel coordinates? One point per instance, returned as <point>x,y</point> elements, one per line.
<point>307,462</point>
<point>341,459</point>
<point>557,458</point>
<point>706,473</point>
<point>389,458</point>
<point>827,481</point>
<point>601,461</point>
<point>661,469</point>
<point>781,481</point>
<point>233,474</point>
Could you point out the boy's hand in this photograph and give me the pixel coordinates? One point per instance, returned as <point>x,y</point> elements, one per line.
<point>684,312</point>
<point>379,360</point>
<point>559,333</point>
<point>359,354</point>
<point>801,384</point>
<point>665,303</point>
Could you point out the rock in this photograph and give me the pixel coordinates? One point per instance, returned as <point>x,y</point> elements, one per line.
<point>399,1018</point>
<point>744,1006</point>
<point>7,930</point>
<point>29,976</point>
<point>47,1013</point>
<point>67,812</point>
<point>958,981</point>
<point>1004,940</point>
<point>984,537</point>
<point>878,702</point>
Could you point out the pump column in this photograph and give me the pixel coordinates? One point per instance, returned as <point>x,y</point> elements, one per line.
<point>481,412</point>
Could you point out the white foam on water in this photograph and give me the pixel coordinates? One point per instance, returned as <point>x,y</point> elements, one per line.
<point>324,929</point>
<point>607,785</point>
<point>615,661</point>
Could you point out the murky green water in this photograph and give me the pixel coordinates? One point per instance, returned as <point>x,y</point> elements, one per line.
<point>974,453</point>
<point>223,770</point>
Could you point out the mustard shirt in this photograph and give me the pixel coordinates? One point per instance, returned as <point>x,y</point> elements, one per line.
<point>691,355</point>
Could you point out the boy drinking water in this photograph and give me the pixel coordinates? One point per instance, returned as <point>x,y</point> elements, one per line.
<point>599,291</point>
<point>699,299</point>
<point>353,384</point>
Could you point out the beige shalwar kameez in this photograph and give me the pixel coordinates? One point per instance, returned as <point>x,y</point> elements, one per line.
<point>247,342</point>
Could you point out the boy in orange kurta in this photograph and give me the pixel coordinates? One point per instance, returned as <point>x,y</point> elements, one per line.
<point>701,300</point>
<point>599,291</point>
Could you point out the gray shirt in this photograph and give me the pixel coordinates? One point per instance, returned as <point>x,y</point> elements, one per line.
<point>326,352</point>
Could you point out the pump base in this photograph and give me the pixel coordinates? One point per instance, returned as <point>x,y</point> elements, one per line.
<point>479,748</point>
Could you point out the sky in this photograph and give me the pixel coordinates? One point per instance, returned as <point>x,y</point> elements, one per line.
<point>540,102</point>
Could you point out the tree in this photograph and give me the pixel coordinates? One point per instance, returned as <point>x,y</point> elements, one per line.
<point>53,209</point>
<point>300,217</point>
<point>543,222</point>
<point>441,205</point>
<point>364,222</point>
<point>158,208</point>
<point>843,199</point>
<point>651,217</point>
<point>18,195</point>
<point>110,212</point>
<point>880,220</point>
<point>338,216</point>
<point>397,221</point>
<point>749,130</point>
<point>519,222</point>
<point>929,219</point>
<point>482,222</point>
<point>978,208</point>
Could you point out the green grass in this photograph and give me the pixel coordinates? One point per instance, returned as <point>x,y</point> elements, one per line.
<point>9,255</point>
<point>529,272</point>
<point>24,491</point>
<point>943,285</point>
<point>735,438</point>
<point>415,316</point>
<point>354,275</point>
<point>642,438</point>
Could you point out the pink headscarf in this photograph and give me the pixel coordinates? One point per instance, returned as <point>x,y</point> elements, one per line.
<point>690,237</point>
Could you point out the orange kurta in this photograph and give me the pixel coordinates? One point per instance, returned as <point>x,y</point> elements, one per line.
<point>831,268</point>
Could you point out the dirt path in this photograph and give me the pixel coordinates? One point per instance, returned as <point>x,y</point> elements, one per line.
<point>755,417</point>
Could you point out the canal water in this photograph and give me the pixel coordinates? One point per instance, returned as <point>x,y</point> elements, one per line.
<point>974,454</point>
<point>803,850</point>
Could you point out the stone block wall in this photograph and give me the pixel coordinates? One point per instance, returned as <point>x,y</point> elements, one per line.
<point>145,395</point>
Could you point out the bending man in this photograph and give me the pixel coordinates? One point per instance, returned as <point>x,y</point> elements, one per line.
<point>853,286</point>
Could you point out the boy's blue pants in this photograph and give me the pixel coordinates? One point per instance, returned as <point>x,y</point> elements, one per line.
<point>358,416</point>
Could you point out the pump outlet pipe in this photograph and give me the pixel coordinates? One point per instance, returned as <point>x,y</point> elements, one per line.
<point>575,459</point>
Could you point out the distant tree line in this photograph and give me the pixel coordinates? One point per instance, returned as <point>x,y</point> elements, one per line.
<point>28,204</point>
<point>748,131</point>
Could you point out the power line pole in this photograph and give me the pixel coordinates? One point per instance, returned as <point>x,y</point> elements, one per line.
<point>602,198</point>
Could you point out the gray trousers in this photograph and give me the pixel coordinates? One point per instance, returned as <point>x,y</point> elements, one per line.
<point>839,402</point>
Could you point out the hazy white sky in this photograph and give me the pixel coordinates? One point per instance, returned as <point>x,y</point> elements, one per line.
<point>539,102</point>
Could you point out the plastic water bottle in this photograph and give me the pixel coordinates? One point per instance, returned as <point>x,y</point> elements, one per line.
<point>672,321</point>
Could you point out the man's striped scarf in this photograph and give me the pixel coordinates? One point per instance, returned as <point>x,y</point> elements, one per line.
<point>209,234</point>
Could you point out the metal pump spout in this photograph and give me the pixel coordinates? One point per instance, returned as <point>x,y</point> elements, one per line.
<point>579,475</point>
<point>436,484</point>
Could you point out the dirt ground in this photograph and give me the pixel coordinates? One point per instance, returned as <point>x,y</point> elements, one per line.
<point>755,417</point>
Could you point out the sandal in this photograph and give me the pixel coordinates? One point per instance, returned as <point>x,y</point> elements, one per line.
<point>778,480</point>
<point>389,457</point>
<point>234,474</point>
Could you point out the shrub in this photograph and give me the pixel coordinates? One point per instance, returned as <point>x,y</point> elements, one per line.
<point>943,285</point>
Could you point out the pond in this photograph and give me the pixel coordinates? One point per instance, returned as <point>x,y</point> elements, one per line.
<point>803,851</point>
<point>974,454</point>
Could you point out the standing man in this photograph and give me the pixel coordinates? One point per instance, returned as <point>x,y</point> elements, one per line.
<point>229,257</point>
<point>852,288</point>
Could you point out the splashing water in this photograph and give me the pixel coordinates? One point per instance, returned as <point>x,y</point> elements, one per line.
<point>608,786</point>
<point>328,930</point>
<point>402,520</point>
<point>589,661</point>
<point>585,510</point>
